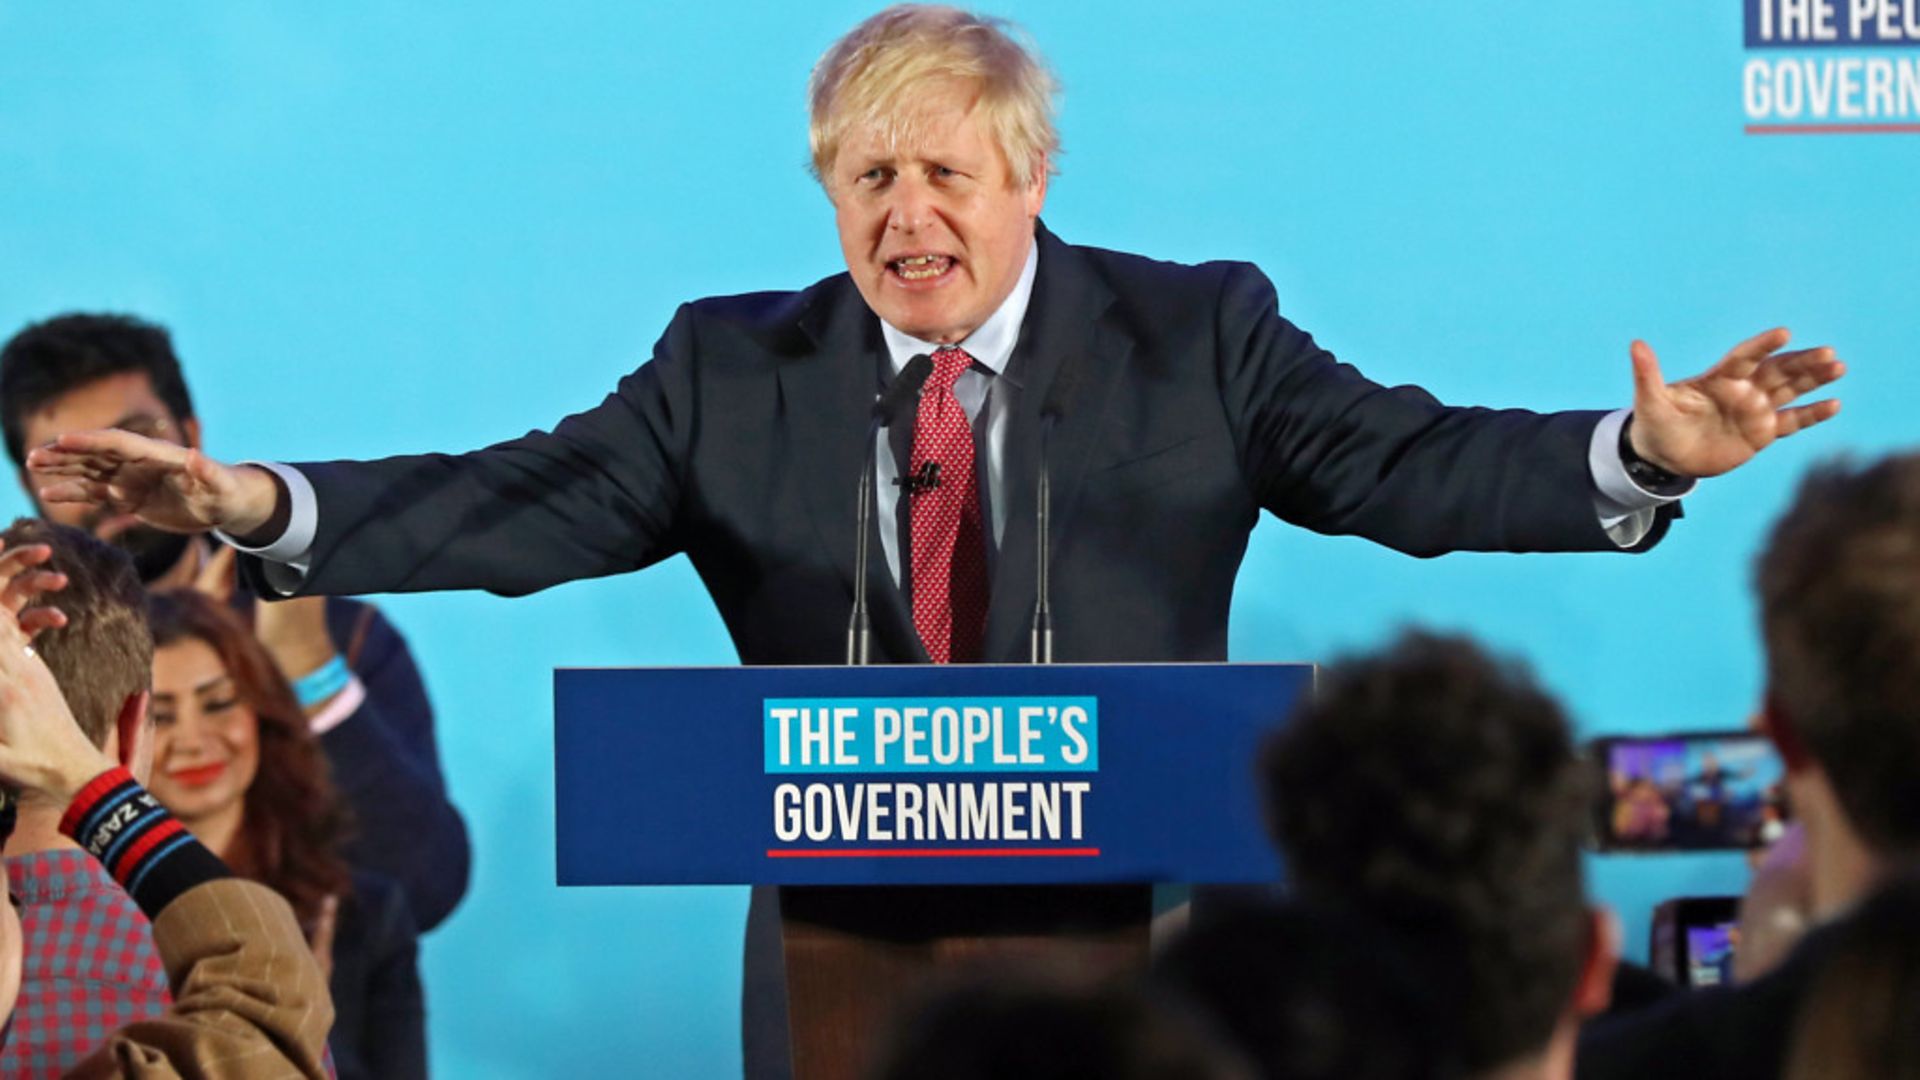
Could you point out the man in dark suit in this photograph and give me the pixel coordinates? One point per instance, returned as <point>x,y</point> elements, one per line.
<point>1197,404</point>
<point>1194,404</point>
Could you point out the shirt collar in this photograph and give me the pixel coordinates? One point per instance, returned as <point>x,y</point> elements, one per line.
<point>992,344</point>
<point>50,876</point>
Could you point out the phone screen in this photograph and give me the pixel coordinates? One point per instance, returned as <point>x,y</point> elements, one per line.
<point>1710,954</point>
<point>1709,790</point>
<point>1694,939</point>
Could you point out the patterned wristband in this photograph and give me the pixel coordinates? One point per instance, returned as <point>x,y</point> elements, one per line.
<point>144,847</point>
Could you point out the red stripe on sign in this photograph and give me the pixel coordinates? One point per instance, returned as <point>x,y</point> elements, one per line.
<point>926,853</point>
<point>1833,129</point>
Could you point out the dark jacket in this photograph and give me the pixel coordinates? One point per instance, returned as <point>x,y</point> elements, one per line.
<point>379,1030</point>
<point>386,764</point>
<point>1723,1033</point>
<point>739,445</point>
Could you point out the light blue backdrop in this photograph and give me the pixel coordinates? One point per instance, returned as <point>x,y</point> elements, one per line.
<point>379,228</point>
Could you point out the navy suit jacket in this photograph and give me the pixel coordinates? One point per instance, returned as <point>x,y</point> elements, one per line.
<point>739,444</point>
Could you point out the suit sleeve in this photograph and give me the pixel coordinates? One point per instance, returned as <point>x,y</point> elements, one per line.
<point>599,494</point>
<point>386,763</point>
<point>1323,447</point>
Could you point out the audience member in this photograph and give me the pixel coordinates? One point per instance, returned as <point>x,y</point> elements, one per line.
<point>1310,994</point>
<point>1018,1024</point>
<point>235,763</point>
<point>1861,1019</point>
<point>1839,586</point>
<point>89,965</point>
<point>1437,791</point>
<point>250,1000</point>
<point>354,673</point>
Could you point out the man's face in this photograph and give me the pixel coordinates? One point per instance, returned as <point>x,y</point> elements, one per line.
<point>128,401</point>
<point>934,230</point>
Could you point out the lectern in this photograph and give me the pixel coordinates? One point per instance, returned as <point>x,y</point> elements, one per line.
<point>919,816</point>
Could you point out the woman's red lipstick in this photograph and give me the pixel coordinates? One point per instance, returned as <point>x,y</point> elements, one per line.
<point>199,775</point>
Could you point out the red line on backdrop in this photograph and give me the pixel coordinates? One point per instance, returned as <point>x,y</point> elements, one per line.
<point>1833,129</point>
<point>925,853</point>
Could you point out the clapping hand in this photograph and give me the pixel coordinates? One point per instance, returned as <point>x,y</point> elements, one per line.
<point>1718,420</point>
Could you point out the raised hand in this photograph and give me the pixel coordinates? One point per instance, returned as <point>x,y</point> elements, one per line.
<point>215,578</point>
<point>167,486</point>
<point>21,584</point>
<point>294,632</point>
<point>41,748</point>
<point>1717,420</point>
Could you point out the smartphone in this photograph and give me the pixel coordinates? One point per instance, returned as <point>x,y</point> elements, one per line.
<point>1698,791</point>
<point>1695,938</point>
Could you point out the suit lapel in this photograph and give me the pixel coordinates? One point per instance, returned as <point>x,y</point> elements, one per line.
<point>1067,324</point>
<point>828,392</point>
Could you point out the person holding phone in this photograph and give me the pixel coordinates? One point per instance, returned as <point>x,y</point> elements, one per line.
<point>1840,619</point>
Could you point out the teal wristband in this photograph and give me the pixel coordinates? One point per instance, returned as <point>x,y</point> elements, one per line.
<point>322,682</point>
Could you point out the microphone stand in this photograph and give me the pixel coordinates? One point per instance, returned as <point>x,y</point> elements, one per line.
<point>859,623</point>
<point>1059,396</point>
<point>1041,645</point>
<point>905,385</point>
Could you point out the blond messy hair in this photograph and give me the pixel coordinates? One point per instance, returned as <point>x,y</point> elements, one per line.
<point>871,76</point>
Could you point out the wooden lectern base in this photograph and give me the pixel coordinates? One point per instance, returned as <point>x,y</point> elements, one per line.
<point>855,955</point>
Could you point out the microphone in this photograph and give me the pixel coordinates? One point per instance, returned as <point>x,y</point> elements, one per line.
<point>904,388</point>
<point>1066,385</point>
<point>926,478</point>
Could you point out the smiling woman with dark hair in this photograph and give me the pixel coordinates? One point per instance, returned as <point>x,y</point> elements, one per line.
<point>233,759</point>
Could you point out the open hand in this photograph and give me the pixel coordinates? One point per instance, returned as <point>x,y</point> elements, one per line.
<point>1716,421</point>
<point>41,748</point>
<point>164,484</point>
<point>294,632</point>
<point>22,583</point>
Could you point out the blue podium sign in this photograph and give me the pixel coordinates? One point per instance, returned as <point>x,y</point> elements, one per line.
<point>950,775</point>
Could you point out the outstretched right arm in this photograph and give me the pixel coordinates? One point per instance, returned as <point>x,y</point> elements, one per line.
<point>597,495</point>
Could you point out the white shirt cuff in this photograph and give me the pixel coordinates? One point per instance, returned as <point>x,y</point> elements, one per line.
<point>288,557</point>
<point>1626,510</point>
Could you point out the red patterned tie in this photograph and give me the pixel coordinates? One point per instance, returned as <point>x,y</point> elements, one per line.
<point>949,559</point>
